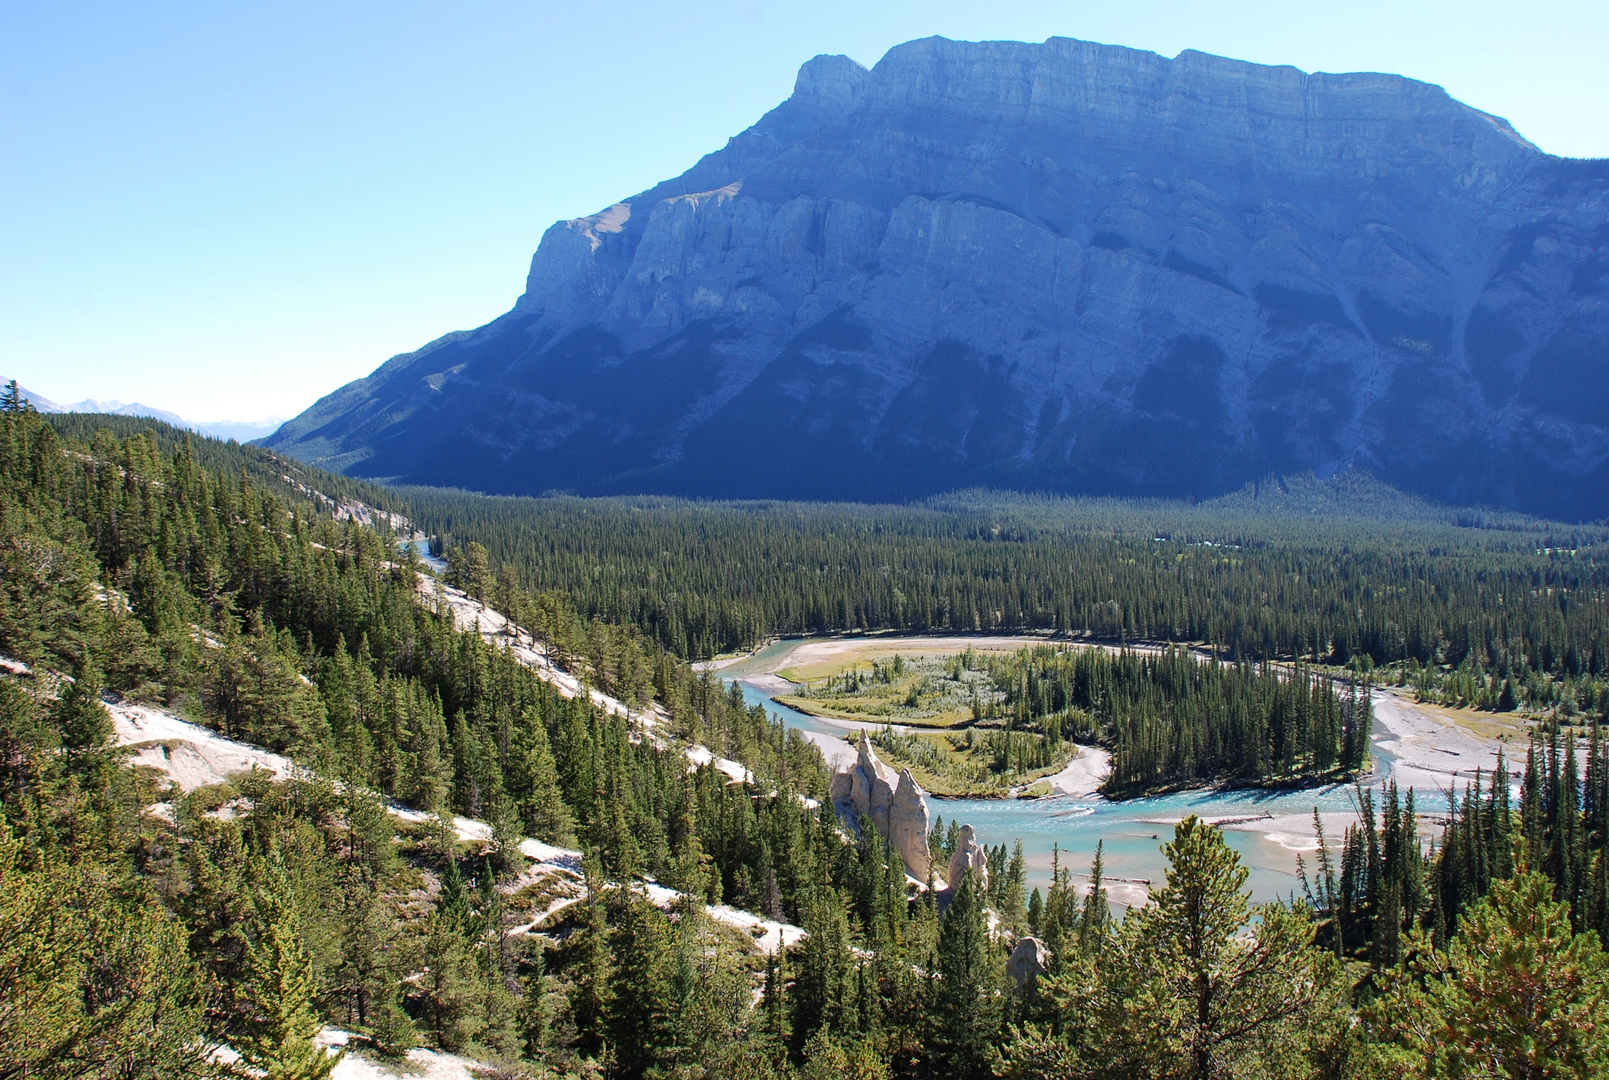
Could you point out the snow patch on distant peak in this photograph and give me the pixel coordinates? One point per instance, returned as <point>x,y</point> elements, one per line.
<point>239,430</point>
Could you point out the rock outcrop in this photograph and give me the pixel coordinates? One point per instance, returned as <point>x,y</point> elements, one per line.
<point>1028,960</point>
<point>1063,266</point>
<point>969,855</point>
<point>896,805</point>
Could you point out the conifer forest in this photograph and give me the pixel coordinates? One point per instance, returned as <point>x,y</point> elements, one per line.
<point>573,853</point>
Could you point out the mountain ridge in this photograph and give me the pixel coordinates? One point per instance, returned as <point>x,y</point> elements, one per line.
<point>239,430</point>
<point>1066,267</point>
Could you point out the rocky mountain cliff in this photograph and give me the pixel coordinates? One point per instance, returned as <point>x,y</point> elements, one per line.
<point>1062,266</point>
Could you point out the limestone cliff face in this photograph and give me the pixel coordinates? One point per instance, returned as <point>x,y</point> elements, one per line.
<point>1065,266</point>
<point>893,803</point>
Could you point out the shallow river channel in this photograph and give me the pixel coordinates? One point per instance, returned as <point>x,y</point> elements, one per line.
<point>1269,829</point>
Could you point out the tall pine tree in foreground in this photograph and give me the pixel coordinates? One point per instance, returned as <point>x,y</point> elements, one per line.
<point>281,1025</point>
<point>1515,993</point>
<point>1192,995</point>
<point>637,1018</point>
<point>964,993</point>
<point>823,968</point>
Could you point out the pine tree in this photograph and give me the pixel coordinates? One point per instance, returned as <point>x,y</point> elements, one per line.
<point>543,809</point>
<point>1059,922</point>
<point>1507,700</point>
<point>1095,920</point>
<point>12,400</point>
<point>592,999</point>
<point>535,1028</point>
<point>431,781</point>
<point>391,1029</point>
<point>1013,888</point>
<point>1036,910</point>
<point>1515,993</point>
<point>79,716</point>
<point>1195,997</point>
<point>281,1025</point>
<point>1567,855</point>
<point>774,1026</point>
<point>1533,796</point>
<point>454,990</point>
<point>1500,827</point>
<point>638,1018</point>
<point>963,1012</point>
<point>1595,789</point>
<point>822,968</point>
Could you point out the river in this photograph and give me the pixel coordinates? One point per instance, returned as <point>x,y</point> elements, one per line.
<point>1268,829</point>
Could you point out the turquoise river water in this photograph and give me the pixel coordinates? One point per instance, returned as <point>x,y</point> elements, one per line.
<point>1132,830</point>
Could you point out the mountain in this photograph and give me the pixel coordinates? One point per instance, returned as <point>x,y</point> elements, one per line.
<point>118,408</point>
<point>39,401</point>
<point>242,430</point>
<point>1062,266</point>
<point>239,430</point>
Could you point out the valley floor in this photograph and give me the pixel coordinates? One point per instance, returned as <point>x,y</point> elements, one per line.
<point>1426,747</point>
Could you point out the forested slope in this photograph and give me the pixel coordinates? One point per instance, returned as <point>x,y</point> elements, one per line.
<point>1489,609</point>
<point>1344,572</point>
<point>141,927</point>
<point>144,573</point>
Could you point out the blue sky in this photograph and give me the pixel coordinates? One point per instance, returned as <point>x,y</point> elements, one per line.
<point>228,210</point>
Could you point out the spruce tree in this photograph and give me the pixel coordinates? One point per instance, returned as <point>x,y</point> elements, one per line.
<point>1014,887</point>
<point>1595,788</point>
<point>12,399</point>
<point>391,1030</point>
<point>638,1013</point>
<point>773,1016</point>
<point>454,990</point>
<point>1095,920</point>
<point>963,1010</point>
<point>79,716</point>
<point>822,968</point>
<point>1567,854</point>
<point>1507,699</point>
<point>535,1028</point>
<point>592,998</point>
<point>543,809</point>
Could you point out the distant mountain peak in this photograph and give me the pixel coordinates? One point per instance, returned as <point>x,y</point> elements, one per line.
<point>1062,266</point>
<point>239,430</point>
<point>39,401</point>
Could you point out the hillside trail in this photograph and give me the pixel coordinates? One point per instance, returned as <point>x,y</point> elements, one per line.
<point>193,756</point>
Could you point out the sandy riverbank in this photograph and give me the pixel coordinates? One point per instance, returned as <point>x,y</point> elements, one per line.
<point>1421,746</point>
<point>1083,776</point>
<point>1431,750</point>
